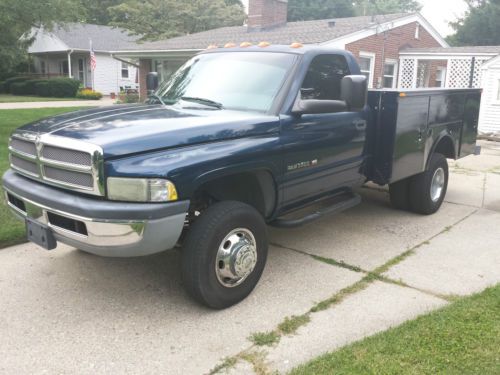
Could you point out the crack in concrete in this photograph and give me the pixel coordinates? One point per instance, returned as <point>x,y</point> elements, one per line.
<point>258,358</point>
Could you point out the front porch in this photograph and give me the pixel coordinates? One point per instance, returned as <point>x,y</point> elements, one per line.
<point>63,64</point>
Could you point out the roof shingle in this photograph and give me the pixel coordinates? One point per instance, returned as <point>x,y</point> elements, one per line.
<point>104,38</point>
<point>307,32</point>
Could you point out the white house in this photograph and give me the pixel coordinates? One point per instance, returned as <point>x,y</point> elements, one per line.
<point>65,51</point>
<point>489,119</point>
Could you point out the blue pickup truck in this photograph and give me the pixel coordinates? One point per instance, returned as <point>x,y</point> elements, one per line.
<point>238,139</point>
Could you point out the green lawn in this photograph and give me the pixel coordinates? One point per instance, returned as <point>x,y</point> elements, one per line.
<point>12,230</point>
<point>463,338</point>
<point>7,98</point>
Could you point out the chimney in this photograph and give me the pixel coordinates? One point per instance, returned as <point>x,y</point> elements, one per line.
<point>265,14</point>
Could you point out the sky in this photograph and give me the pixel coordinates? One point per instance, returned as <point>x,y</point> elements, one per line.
<point>438,12</point>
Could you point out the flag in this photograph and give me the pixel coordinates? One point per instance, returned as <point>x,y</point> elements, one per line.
<point>93,62</point>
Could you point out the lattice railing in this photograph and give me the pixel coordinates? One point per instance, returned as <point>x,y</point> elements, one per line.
<point>407,77</point>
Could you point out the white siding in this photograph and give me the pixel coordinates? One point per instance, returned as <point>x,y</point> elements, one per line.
<point>108,77</point>
<point>489,121</point>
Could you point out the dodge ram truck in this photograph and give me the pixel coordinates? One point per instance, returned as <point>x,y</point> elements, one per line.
<point>237,139</point>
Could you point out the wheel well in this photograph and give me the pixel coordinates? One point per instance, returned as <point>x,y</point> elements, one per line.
<point>446,147</point>
<point>256,188</point>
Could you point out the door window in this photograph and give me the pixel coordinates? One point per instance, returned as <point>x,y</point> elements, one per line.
<point>64,67</point>
<point>323,79</point>
<point>81,70</point>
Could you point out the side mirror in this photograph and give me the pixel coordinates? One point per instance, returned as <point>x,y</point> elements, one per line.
<point>152,81</point>
<point>314,106</point>
<point>354,91</point>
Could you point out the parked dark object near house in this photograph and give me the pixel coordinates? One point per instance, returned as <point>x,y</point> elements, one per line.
<point>239,138</point>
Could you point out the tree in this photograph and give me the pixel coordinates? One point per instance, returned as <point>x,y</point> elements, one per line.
<point>480,26</point>
<point>163,19</point>
<point>303,10</point>
<point>18,18</point>
<point>96,11</point>
<point>376,7</point>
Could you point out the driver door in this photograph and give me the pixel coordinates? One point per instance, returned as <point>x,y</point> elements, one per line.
<point>323,152</point>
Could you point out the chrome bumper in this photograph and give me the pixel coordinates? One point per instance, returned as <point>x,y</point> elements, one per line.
<point>115,229</point>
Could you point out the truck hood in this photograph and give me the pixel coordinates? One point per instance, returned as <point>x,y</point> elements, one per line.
<point>129,129</point>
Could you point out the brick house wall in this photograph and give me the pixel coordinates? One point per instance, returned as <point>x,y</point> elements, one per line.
<point>393,40</point>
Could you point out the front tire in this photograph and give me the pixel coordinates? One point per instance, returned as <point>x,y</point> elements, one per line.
<point>224,254</point>
<point>428,189</point>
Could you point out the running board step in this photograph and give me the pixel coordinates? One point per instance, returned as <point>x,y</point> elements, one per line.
<point>336,204</point>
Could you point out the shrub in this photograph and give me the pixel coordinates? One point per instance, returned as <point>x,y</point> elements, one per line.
<point>89,94</point>
<point>42,88</point>
<point>19,88</point>
<point>128,98</point>
<point>63,87</point>
<point>10,81</point>
<point>31,86</point>
<point>2,88</point>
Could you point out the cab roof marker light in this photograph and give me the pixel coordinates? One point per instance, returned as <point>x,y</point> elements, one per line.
<point>264,44</point>
<point>230,45</point>
<point>296,45</point>
<point>402,95</point>
<point>246,44</point>
<point>212,46</point>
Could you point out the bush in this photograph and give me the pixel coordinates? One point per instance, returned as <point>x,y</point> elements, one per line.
<point>63,87</point>
<point>19,88</point>
<point>10,81</point>
<point>26,87</point>
<point>2,88</point>
<point>42,88</point>
<point>31,85</point>
<point>128,98</point>
<point>89,94</point>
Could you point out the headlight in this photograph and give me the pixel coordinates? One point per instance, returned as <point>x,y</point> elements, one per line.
<point>141,190</point>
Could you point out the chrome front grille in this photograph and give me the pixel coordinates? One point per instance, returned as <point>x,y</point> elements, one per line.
<point>68,177</point>
<point>66,156</point>
<point>23,146</point>
<point>25,165</point>
<point>58,161</point>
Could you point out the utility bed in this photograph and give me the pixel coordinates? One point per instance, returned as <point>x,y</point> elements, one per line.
<point>406,125</point>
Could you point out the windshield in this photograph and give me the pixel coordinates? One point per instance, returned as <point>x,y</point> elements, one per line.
<point>232,80</point>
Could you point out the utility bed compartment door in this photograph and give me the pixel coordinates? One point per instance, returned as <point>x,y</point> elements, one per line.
<point>470,125</point>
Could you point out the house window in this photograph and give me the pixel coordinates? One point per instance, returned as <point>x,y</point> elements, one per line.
<point>417,31</point>
<point>324,77</point>
<point>42,67</point>
<point>440,77</point>
<point>390,71</point>
<point>125,72</point>
<point>367,65</point>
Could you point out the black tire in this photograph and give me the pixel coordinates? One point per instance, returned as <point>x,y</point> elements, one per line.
<point>420,187</point>
<point>400,194</point>
<point>199,254</point>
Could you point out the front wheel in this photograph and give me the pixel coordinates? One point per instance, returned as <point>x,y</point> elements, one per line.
<point>428,189</point>
<point>224,254</point>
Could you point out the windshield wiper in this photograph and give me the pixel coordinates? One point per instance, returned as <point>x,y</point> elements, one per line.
<point>157,97</point>
<point>208,102</point>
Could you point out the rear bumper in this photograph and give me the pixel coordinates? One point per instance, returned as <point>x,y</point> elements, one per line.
<point>114,229</point>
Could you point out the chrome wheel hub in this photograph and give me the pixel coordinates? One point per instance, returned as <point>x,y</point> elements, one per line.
<point>437,184</point>
<point>236,257</point>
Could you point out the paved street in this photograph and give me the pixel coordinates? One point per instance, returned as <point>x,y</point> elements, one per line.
<point>69,312</point>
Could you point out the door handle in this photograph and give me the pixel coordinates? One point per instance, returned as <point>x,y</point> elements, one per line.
<point>360,125</point>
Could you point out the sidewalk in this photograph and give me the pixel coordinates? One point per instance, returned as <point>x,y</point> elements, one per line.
<point>62,104</point>
<point>355,274</point>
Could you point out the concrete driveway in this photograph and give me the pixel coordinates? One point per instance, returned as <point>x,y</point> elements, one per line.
<point>69,312</point>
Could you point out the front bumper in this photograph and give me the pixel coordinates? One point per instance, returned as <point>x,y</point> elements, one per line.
<point>113,229</point>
